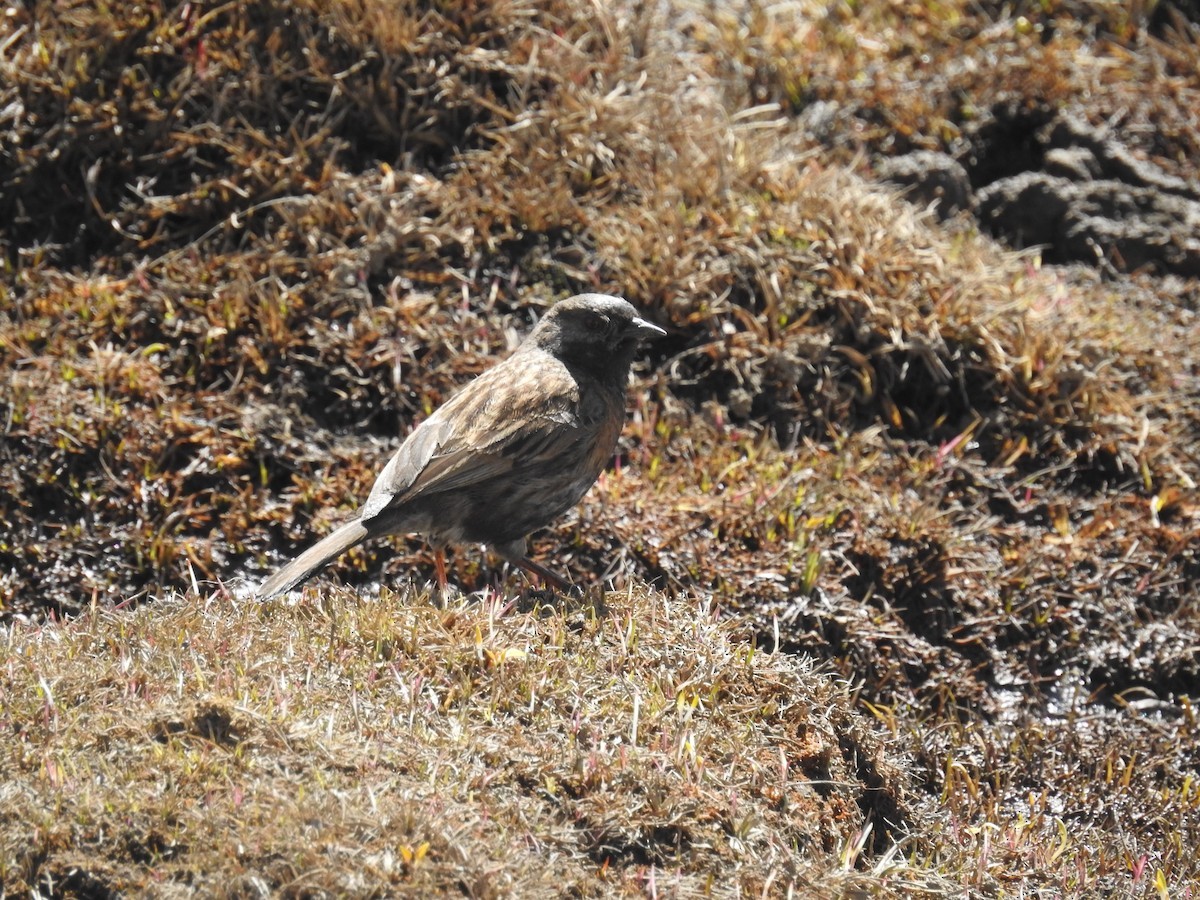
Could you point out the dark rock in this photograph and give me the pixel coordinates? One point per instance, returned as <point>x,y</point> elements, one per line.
<point>1026,208</point>
<point>1125,225</point>
<point>1112,158</point>
<point>1053,179</point>
<point>931,179</point>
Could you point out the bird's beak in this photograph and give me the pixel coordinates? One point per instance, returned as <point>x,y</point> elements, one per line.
<point>646,331</point>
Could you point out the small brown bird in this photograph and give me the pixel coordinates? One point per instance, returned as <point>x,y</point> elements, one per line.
<point>510,451</point>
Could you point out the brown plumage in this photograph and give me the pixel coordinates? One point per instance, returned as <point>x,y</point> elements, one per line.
<point>512,450</point>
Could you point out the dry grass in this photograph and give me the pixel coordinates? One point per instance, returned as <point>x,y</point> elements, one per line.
<point>247,245</point>
<point>349,746</point>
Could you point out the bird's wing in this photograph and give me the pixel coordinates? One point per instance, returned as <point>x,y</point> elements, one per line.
<point>482,432</point>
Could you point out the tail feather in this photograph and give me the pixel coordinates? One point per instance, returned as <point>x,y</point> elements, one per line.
<point>303,566</point>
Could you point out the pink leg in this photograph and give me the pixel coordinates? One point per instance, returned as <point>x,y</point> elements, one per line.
<point>439,562</point>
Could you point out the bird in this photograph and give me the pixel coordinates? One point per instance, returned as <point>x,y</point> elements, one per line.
<point>510,451</point>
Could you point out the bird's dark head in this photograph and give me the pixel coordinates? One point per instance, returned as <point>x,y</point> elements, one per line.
<point>596,332</point>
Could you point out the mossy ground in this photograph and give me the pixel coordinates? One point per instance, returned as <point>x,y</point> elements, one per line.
<point>899,546</point>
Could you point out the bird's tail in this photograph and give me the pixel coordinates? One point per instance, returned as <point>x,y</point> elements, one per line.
<point>303,566</point>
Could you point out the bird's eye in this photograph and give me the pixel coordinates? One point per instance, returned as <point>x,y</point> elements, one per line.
<point>597,324</point>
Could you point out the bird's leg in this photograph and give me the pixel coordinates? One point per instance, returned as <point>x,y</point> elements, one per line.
<point>524,562</point>
<point>439,563</point>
